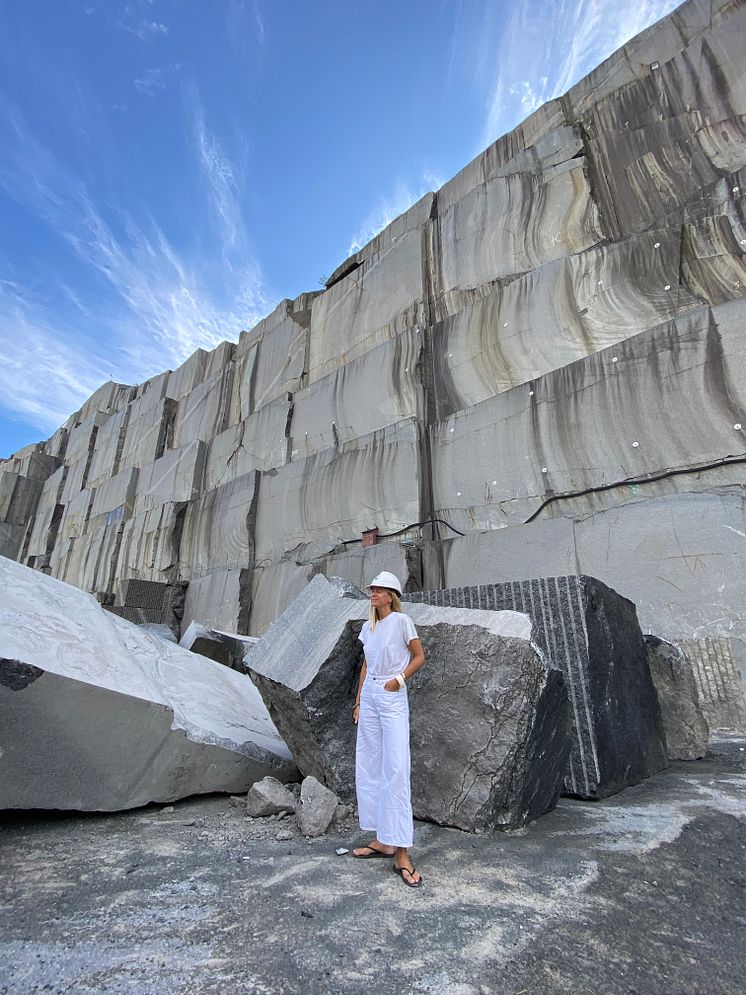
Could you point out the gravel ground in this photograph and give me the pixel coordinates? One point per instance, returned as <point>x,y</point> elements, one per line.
<point>641,893</point>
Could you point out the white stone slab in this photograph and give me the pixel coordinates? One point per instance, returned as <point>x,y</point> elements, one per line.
<point>65,645</point>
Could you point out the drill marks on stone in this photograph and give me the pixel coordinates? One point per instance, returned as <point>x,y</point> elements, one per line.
<point>580,654</point>
<point>557,607</point>
<point>718,682</point>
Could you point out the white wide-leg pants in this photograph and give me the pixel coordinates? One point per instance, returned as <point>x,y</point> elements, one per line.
<point>382,763</point>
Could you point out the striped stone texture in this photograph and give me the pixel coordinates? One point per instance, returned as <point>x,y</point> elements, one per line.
<point>718,682</point>
<point>592,635</point>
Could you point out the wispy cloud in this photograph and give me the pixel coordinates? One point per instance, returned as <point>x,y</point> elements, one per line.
<point>541,54</point>
<point>161,304</point>
<point>219,173</point>
<point>259,21</point>
<point>150,82</point>
<point>244,22</point>
<point>136,17</point>
<point>390,206</point>
<point>45,373</point>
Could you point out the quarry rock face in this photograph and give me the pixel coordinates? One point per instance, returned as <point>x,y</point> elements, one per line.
<point>684,724</point>
<point>501,383</point>
<point>592,636</point>
<point>96,715</point>
<point>490,722</point>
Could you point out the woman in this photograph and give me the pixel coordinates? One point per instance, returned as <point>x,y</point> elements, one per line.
<point>393,654</point>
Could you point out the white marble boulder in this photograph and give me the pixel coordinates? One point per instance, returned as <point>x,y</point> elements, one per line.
<point>98,715</point>
<point>684,724</point>
<point>490,721</point>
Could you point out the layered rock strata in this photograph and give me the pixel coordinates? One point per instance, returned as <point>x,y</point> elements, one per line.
<point>98,715</point>
<point>546,355</point>
<point>592,635</point>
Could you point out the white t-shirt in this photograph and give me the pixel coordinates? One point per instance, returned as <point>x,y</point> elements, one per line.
<point>387,648</point>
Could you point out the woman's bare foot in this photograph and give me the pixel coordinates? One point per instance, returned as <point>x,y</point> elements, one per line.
<point>378,849</point>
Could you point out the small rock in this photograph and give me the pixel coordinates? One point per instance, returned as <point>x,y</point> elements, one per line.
<point>306,915</point>
<point>237,801</point>
<point>316,807</point>
<point>168,808</point>
<point>284,834</point>
<point>268,797</point>
<point>340,850</point>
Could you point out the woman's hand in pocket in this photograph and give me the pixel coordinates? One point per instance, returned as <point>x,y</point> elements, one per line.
<point>392,685</point>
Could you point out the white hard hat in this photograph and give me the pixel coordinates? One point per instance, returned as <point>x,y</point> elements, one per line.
<point>386,579</point>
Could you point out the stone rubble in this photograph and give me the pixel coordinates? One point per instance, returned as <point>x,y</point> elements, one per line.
<point>269,797</point>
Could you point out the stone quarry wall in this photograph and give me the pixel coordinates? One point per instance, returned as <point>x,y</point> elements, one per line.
<point>537,370</point>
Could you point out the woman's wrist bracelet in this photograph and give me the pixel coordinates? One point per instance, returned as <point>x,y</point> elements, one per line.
<point>401,679</point>
<point>356,705</point>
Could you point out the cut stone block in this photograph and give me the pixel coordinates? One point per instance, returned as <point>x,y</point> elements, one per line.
<point>49,512</point>
<point>175,477</point>
<point>495,463</point>
<point>325,499</point>
<point>515,223</point>
<point>148,429</point>
<point>219,528</point>
<point>108,450</point>
<point>684,724</point>
<point>203,412</point>
<point>378,389</point>
<point>97,715</point>
<point>259,442</point>
<point>82,438</point>
<point>223,647</point>
<point>592,635</point>
<point>220,600</point>
<point>270,360</point>
<point>382,297</point>
<point>490,722</point>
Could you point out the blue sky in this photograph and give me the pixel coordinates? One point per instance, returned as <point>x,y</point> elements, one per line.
<point>170,169</point>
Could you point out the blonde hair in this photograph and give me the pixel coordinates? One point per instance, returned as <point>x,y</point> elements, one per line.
<point>373,612</point>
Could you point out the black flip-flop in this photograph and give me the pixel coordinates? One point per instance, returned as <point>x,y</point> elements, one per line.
<point>370,856</point>
<point>400,871</point>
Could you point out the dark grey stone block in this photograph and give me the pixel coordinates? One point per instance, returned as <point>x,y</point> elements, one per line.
<point>490,727</point>
<point>592,635</point>
<point>223,647</point>
<point>490,723</point>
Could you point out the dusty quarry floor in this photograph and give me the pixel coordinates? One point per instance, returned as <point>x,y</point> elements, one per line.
<point>642,893</point>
